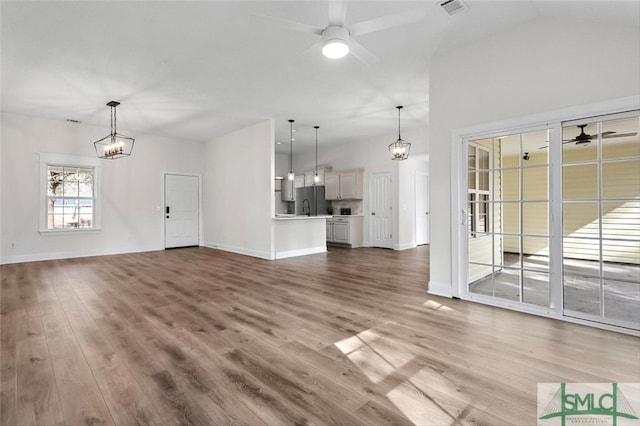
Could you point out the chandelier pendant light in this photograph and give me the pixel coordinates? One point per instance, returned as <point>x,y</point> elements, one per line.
<point>115,145</point>
<point>316,176</point>
<point>399,150</point>
<point>291,175</point>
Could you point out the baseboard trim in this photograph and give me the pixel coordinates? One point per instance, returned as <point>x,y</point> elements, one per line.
<point>404,246</point>
<point>440,289</point>
<point>303,252</point>
<point>240,250</point>
<point>38,257</point>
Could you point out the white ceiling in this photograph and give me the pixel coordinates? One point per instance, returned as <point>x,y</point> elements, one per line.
<point>197,70</point>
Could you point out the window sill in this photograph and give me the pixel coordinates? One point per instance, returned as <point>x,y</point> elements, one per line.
<point>69,231</point>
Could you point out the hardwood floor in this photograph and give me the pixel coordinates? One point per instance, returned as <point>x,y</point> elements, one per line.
<point>201,336</point>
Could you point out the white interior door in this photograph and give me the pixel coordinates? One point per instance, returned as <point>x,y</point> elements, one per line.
<point>381,218</point>
<point>182,211</point>
<point>422,208</point>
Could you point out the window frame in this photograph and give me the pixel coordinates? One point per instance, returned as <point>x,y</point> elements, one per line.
<point>56,160</point>
<point>475,194</point>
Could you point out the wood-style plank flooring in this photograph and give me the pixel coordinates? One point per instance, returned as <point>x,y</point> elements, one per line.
<point>201,336</point>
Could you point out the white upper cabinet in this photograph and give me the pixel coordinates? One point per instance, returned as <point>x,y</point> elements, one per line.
<point>308,176</point>
<point>343,185</point>
<point>332,186</point>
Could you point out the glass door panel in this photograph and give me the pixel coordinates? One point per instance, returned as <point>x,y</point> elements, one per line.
<point>601,220</point>
<point>508,215</point>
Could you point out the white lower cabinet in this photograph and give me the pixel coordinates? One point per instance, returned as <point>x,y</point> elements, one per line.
<point>341,232</point>
<point>345,230</point>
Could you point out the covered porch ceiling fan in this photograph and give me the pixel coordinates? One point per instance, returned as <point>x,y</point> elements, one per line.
<point>585,138</point>
<point>338,40</point>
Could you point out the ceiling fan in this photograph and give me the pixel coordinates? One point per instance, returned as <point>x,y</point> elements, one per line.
<point>585,139</point>
<point>338,40</point>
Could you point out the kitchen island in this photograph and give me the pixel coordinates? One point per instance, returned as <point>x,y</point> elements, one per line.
<point>299,235</point>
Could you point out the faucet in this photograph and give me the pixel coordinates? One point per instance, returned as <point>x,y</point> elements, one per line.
<point>308,207</point>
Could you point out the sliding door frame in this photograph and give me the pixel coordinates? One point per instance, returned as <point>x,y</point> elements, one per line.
<point>459,242</point>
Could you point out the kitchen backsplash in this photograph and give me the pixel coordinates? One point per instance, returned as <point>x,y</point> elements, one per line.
<point>354,205</point>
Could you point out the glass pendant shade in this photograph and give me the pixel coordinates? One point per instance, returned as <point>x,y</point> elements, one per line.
<point>114,145</point>
<point>399,150</point>
<point>291,176</point>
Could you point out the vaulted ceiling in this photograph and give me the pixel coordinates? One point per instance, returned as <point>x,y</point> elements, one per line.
<point>197,70</point>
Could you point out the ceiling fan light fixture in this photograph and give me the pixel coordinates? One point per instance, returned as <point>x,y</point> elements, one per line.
<point>335,49</point>
<point>335,42</point>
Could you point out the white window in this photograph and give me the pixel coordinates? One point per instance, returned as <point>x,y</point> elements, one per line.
<point>479,190</point>
<point>69,193</point>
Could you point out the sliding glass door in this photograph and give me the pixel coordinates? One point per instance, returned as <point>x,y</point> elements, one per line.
<point>601,219</point>
<point>507,217</point>
<point>552,224</point>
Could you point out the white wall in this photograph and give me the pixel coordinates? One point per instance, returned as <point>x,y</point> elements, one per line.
<point>131,189</point>
<point>541,66</point>
<point>238,191</point>
<point>372,155</point>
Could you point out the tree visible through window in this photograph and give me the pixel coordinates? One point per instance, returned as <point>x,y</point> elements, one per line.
<point>70,197</point>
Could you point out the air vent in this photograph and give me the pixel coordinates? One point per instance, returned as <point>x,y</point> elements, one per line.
<point>453,6</point>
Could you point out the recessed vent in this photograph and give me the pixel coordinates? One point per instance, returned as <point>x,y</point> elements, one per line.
<point>453,6</point>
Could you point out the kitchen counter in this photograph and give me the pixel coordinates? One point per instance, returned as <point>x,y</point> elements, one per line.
<point>299,235</point>
<point>300,217</point>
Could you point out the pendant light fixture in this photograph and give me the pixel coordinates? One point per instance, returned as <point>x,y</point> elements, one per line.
<point>114,145</point>
<point>316,177</point>
<point>291,175</point>
<point>399,150</point>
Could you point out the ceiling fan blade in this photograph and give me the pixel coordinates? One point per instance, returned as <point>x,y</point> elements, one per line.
<point>306,53</point>
<point>388,21</point>
<point>361,53</point>
<point>617,135</point>
<point>293,25</point>
<point>544,147</point>
<point>337,12</point>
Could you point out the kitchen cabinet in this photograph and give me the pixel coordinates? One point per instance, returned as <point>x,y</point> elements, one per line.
<point>299,181</point>
<point>345,230</point>
<point>308,176</point>
<point>288,191</point>
<point>345,185</point>
<point>341,232</point>
<point>309,181</point>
